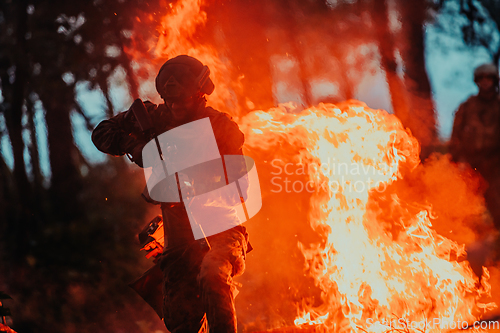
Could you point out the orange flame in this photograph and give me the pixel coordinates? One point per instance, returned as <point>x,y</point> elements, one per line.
<point>369,275</point>
<point>176,35</point>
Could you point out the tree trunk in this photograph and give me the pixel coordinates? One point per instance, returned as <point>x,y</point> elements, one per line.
<point>133,85</point>
<point>65,178</point>
<point>34,152</point>
<point>12,114</point>
<point>493,8</point>
<point>421,119</point>
<point>387,49</point>
<point>290,24</point>
<point>14,99</point>
<point>5,195</point>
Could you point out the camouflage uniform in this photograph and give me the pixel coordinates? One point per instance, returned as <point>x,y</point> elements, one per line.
<point>476,141</point>
<point>198,282</point>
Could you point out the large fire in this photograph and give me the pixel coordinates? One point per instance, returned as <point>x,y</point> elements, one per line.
<point>375,276</point>
<point>381,265</point>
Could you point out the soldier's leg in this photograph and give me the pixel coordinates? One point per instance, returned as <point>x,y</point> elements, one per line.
<point>225,260</point>
<point>492,198</point>
<point>182,309</point>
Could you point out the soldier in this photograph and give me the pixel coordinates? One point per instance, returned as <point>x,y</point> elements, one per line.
<point>198,282</point>
<point>476,134</point>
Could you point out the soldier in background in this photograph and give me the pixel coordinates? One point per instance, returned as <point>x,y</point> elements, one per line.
<point>197,281</point>
<point>475,139</point>
<point>476,134</point>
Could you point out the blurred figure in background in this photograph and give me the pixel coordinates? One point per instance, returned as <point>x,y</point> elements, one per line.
<point>475,140</point>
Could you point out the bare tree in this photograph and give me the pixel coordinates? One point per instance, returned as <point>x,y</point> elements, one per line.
<point>14,75</point>
<point>421,118</point>
<point>387,48</point>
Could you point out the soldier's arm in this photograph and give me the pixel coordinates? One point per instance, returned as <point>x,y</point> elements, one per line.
<point>456,134</point>
<point>120,135</point>
<point>112,136</point>
<point>229,137</point>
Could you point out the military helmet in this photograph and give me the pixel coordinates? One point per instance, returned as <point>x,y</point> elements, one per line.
<point>486,70</point>
<point>182,77</point>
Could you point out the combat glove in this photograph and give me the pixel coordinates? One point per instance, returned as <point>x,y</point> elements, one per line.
<point>136,154</point>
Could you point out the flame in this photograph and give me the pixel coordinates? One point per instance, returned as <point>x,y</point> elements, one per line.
<point>176,35</point>
<point>369,274</point>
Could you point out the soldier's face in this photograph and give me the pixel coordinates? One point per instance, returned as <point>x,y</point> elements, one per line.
<point>485,83</point>
<point>180,109</point>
